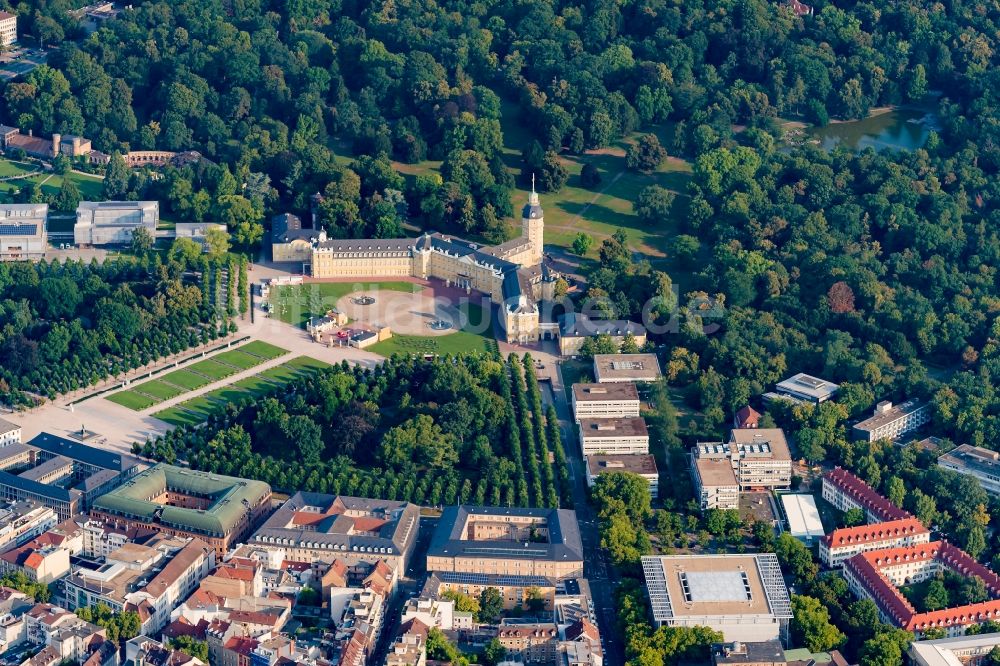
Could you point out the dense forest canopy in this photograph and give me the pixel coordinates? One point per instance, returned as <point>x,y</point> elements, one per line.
<point>868,268</point>
<point>469,429</point>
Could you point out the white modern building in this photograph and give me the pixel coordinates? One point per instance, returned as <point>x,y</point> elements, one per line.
<point>891,421</point>
<point>802,517</point>
<point>806,388</point>
<point>640,464</point>
<point>752,459</point>
<point>8,28</point>
<point>613,436</point>
<point>114,222</point>
<point>977,462</point>
<point>959,651</point>
<point>22,521</point>
<point>605,401</point>
<point>742,596</point>
<point>22,231</point>
<point>626,368</point>
<point>10,433</point>
<point>843,544</point>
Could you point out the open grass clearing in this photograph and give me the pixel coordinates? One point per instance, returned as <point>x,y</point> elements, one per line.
<point>295,304</point>
<point>262,349</point>
<point>132,400</point>
<point>199,408</point>
<point>468,340</point>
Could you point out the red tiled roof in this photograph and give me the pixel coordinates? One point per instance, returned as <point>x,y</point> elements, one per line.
<point>747,416</point>
<point>307,518</point>
<point>582,627</point>
<point>893,529</point>
<point>864,495</point>
<point>182,627</point>
<point>867,568</point>
<point>241,645</point>
<point>368,524</point>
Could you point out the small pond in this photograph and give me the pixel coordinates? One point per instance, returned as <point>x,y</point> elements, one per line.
<point>895,130</point>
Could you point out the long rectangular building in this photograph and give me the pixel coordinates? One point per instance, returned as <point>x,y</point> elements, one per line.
<point>626,368</point>
<point>507,541</point>
<point>605,401</point>
<point>843,544</point>
<point>314,526</point>
<point>891,421</point>
<point>845,492</point>
<point>114,222</point>
<point>640,464</point>
<point>977,462</point>
<point>742,596</point>
<point>613,436</point>
<point>60,473</point>
<point>23,235</point>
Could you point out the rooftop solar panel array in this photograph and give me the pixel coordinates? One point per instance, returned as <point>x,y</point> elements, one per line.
<point>18,229</point>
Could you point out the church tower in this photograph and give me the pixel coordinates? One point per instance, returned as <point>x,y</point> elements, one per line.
<point>533,225</point>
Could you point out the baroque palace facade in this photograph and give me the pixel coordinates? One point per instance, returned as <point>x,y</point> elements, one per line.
<point>513,273</point>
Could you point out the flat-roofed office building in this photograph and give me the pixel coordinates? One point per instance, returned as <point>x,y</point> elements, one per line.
<point>605,401</point>
<point>640,464</point>
<point>742,596</point>
<point>977,462</point>
<point>752,459</point>
<point>891,421</point>
<point>508,542</point>
<point>624,368</point>
<point>114,222</point>
<point>22,231</point>
<point>613,436</point>
<point>806,388</point>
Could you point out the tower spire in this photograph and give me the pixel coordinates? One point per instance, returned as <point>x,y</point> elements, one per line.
<point>533,197</point>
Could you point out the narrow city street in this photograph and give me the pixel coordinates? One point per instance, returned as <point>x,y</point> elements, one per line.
<point>597,569</point>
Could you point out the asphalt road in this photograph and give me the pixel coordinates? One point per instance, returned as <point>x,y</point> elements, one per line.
<point>597,569</point>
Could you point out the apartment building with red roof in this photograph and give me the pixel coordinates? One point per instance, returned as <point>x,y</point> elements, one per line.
<point>845,491</point>
<point>877,575</point>
<point>842,544</point>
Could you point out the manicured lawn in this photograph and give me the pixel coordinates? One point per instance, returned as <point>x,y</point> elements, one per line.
<point>178,416</point>
<point>186,379</point>
<point>196,375</point>
<point>161,390</point>
<point>294,304</point>
<point>239,359</point>
<point>132,400</point>
<point>199,408</point>
<point>11,168</point>
<point>90,187</point>
<point>212,369</point>
<point>262,349</point>
<point>459,342</point>
<point>306,363</point>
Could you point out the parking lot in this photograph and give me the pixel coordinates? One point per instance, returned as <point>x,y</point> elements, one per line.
<point>21,60</point>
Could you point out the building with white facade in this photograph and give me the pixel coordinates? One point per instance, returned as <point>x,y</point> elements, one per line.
<point>22,521</point>
<point>752,459</point>
<point>10,433</point>
<point>613,436</point>
<point>843,544</point>
<point>640,464</point>
<point>626,368</point>
<point>802,517</point>
<point>605,401</point>
<point>151,580</point>
<point>742,596</point>
<point>959,651</point>
<point>845,492</point>
<point>23,235</point>
<point>891,421</point>
<point>8,28</point>
<point>114,222</point>
<point>977,462</point>
<point>878,574</point>
<point>806,388</point>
